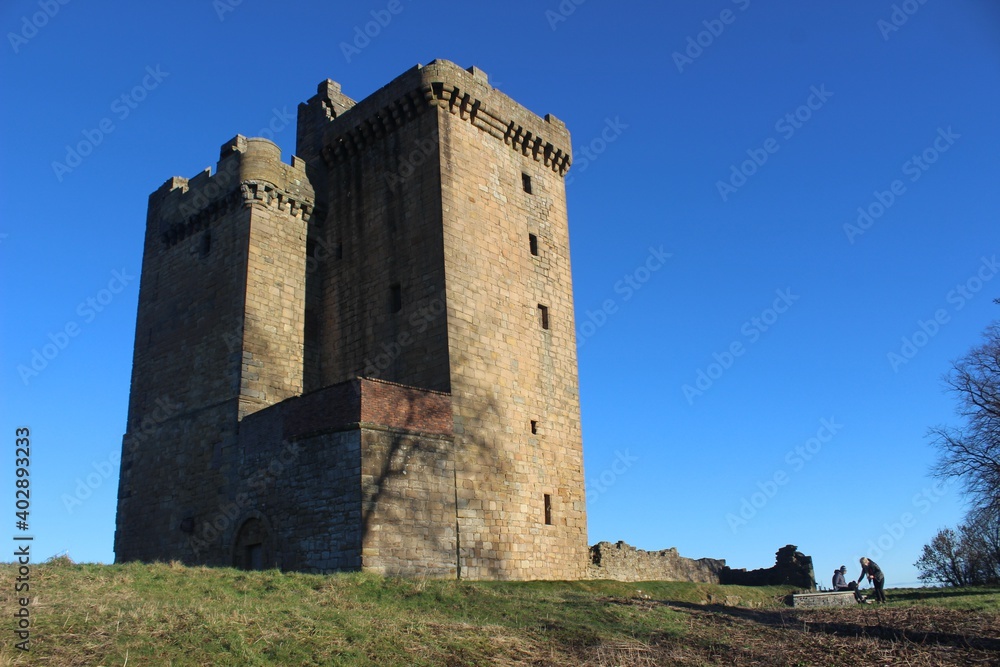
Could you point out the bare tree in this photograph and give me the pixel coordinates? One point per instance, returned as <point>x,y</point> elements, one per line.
<point>980,540</point>
<point>971,452</point>
<point>942,560</point>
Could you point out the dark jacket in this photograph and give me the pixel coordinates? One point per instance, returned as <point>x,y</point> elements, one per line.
<point>872,570</point>
<point>839,583</point>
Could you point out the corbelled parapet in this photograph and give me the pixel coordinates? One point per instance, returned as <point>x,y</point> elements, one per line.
<point>350,128</point>
<point>249,171</point>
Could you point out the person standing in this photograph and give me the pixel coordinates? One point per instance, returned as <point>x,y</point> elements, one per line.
<point>870,569</point>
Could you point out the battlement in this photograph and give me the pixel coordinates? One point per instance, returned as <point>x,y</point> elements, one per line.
<point>249,172</point>
<point>441,83</point>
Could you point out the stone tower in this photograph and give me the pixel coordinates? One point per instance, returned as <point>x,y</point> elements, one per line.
<point>365,359</point>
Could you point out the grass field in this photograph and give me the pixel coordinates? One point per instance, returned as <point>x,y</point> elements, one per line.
<point>162,614</point>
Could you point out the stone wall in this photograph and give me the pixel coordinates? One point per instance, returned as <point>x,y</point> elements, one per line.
<point>623,562</point>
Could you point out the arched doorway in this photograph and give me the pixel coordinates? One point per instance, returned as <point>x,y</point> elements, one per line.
<point>251,549</point>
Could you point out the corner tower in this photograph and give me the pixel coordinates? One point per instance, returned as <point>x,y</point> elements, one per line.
<point>219,335</point>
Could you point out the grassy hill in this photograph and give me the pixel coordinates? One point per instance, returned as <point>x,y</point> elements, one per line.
<point>167,614</point>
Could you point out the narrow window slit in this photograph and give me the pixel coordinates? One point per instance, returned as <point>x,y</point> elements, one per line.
<point>543,316</point>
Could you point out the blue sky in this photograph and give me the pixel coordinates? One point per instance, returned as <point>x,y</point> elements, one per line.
<point>823,179</point>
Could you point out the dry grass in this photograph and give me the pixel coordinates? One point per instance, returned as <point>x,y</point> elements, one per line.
<point>167,614</point>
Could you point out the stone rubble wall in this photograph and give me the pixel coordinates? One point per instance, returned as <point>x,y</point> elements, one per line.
<point>623,562</point>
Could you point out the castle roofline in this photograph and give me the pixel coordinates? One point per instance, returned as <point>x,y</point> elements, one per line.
<point>464,92</point>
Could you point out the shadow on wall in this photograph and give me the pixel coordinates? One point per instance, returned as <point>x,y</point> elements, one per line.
<point>426,497</point>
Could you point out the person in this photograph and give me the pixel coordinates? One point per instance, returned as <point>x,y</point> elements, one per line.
<point>839,582</point>
<point>870,569</point>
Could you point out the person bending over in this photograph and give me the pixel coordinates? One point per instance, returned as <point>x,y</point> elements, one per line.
<point>870,569</point>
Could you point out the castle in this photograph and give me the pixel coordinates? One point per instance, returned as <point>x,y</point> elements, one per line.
<point>364,359</point>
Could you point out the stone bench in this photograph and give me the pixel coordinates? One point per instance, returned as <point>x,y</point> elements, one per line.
<point>825,599</point>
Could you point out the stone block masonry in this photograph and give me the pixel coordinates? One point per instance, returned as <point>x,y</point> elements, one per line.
<point>623,562</point>
<point>369,351</point>
<point>372,347</point>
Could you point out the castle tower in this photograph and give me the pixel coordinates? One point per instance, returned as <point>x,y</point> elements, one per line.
<point>219,335</point>
<point>378,368</point>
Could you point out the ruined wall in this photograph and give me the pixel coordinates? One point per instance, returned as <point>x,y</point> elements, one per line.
<point>623,562</point>
<point>791,568</point>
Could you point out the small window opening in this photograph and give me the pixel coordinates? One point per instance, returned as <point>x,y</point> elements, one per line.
<point>534,427</point>
<point>310,326</point>
<point>526,183</point>
<point>548,510</point>
<point>338,250</point>
<point>206,244</point>
<point>395,298</point>
<point>543,315</point>
<point>533,244</point>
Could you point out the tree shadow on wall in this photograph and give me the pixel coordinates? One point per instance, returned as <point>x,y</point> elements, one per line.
<point>421,507</point>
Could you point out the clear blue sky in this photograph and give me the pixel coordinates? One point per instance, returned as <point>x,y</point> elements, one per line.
<point>745,157</point>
